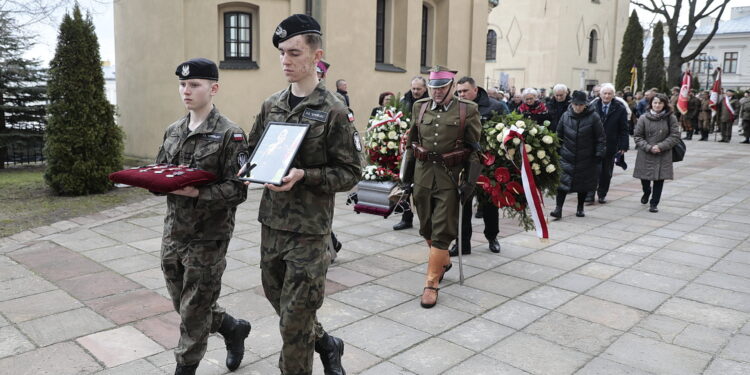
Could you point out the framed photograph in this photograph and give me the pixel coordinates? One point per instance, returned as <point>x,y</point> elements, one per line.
<point>273,155</point>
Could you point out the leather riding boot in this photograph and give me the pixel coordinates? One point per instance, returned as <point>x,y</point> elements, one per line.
<point>556,213</point>
<point>234,331</point>
<point>331,349</point>
<point>185,369</point>
<point>436,267</point>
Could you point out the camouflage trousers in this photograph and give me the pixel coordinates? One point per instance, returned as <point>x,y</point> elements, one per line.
<point>193,273</point>
<point>293,272</point>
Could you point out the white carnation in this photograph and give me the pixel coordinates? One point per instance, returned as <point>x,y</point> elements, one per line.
<point>500,137</point>
<point>531,157</point>
<point>392,145</point>
<point>541,154</point>
<point>547,139</point>
<point>550,168</point>
<point>516,141</point>
<point>535,166</point>
<point>537,172</point>
<point>403,124</point>
<point>520,123</point>
<point>528,147</point>
<point>381,135</point>
<point>533,131</point>
<point>392,134</point>
<point>500,126</point>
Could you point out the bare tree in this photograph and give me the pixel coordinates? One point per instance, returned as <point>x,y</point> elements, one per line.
<point>28,12</point>
<point>680,36</point>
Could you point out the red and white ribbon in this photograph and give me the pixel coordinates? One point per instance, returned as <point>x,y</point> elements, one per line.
<point>532,193</point>
<point>391,118</point>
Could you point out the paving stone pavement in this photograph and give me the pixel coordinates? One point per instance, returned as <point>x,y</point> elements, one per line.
<point>621,291</point>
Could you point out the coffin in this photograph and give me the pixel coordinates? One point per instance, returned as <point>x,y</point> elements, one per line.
<point>372,198</point>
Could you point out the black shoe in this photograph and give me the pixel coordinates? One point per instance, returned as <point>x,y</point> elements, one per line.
<point>494,245</point>
<point>580,213</point>
<point>234,331</point>
<point>557,213</point>
<point>335,242</point>
<point>403,224</point>
<point>331,349</point>
<point>644,197</point>
<point>589,198</point>
<point>602,200</point>
<point>653,209</point>
<point>454,250</point>
<point>185,369</point>
<point>479,213</point>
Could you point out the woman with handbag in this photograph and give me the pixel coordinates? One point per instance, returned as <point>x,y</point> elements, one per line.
<point>656,134</point>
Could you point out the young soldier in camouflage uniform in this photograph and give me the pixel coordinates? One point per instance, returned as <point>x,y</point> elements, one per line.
<point>440,150</point>
<point>297,215</point>
<point>200,220</point>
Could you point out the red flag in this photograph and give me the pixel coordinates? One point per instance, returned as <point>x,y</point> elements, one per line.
<point>713,100</point>
<point>682,100</point>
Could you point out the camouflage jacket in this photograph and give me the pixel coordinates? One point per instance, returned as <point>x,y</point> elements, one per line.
<point>329,155</point>
<point>214,146</point>
<point>438,132</point>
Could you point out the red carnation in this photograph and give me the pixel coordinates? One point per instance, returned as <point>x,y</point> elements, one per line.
<point>514,187</point>
<point>502,175</point>
<point>489,159</point>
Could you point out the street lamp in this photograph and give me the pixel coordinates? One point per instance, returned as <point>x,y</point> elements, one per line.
<point>707,59</point>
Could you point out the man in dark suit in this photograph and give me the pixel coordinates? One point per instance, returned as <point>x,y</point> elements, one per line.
<point>614,117</point>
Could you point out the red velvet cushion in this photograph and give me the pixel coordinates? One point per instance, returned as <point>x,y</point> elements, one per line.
<point>162,178</point>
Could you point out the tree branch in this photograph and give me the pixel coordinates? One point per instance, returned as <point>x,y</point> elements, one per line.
<point>710,36</point>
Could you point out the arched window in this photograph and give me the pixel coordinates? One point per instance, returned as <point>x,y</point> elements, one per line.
<point>593,42</point>
<point>491,45</point>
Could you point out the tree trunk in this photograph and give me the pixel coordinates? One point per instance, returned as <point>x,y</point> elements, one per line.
<point>674,72</point>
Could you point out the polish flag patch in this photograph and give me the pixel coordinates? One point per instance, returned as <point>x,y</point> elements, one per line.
<point>237,137</point>
<point>350,116</point>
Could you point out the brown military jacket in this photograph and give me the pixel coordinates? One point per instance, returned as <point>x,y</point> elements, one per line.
<point>723,112</point>
<point>213,146</point>
<point>694,106</point>
<point>329,155</point>
<point>705,110</point>
<point>438,132</point>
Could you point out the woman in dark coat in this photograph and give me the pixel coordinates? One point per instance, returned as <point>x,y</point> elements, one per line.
<point>582,146</point>
<point>656,133</point>
<point>383,100</point>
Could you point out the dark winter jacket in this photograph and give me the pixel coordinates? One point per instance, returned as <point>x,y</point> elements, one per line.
<point>489,106</point>
<point>615,125</point>
<point>537,111</point>
<point>556,110</point>
<point>655,129</point>
<point>407,102</point>
<point>582,144</point>
<point>345,94</point>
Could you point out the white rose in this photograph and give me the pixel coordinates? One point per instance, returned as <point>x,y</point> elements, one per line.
<point>500,126</point>
<point>550,168</point>
<point>392,134</point>
<point>545,161</point>
<point>537,172</point>
<point>511,152</point>
<point>492,131</point>
<point>535,166</point>
<point>533,131</point>
<point>531,157</point>
<point>546,122</point>
<point>381,135</point>
<point>403,124</point>
<point>547,139</point>
<point>516,141</point>
<point>392,145</point>
<point>520,123</point>
<point>528,147</point>
<point>541,154</point>
<point>500,137</point>
<point>373,144</point>
<point>383,150</point>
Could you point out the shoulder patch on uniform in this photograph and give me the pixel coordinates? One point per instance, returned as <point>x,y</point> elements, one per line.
<point>315,115</point>
<point>214,137</point>
<point>357,141</point>
<point>238,137</point>
<point>350,116</point>
<point>242,158</point>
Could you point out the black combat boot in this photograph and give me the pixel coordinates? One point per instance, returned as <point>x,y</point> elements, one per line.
<point>406,221</point>
<point>494,245</point>
<point>234,331</point>
<point>688,135</point>
<point>557,213</point>
<point>185,369</point>
<point>331,349</point>
<point>704,135</point>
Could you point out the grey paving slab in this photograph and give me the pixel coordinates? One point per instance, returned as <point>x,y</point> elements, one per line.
<point>628,295</point>
<point>441,318</point>
<point>483,300</point>
<point>619,259</point>
<point>112,252</point>
<point>372,298</point>
<point>378,265</point>
<point>572,332</point>
<point>674,270</point>
<point>386,368</point>
<point>657,357</point>
<point>515,314</point>
<point>477,334</point>
<point>23,286</point>
<point>529,271</point>
<point>64,326</point>
<point>732,268</point>
<point>537,356</point>
<point>38,305</point>
<point>137,367</point>
<point>599,270</point>
<point>65,358</point>
<point>649,281</point>
<point>717,296</point>
<point>660,327</point>
<point>13,342</point>
<point>601,366</point>
<point>737,349</point>
<point>380,336</point>
<point>703,314</point>
<point>484,365</point>
<point>432,356</point>
<point>547,297</point>
<point>555,260</point>
<point>504,285</point>
<point>607,313</point>
<point>575,282</point>
<point>727,367</point>
<point>702,338</point>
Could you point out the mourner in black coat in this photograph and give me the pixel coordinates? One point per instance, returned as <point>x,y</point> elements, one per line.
<point>614,118</point>
<point>582,146</point>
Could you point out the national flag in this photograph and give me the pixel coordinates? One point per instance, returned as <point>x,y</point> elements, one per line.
<point>682,100</point>
<point>237,137</point>
<point>634,78</point>
<point>713,100</point>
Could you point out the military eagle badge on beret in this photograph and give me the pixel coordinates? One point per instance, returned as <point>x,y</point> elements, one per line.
<point>281,32</point>
<point>185,70</point>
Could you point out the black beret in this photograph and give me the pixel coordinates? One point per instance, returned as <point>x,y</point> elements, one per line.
<point>198,68</point>
<point>294,25</point>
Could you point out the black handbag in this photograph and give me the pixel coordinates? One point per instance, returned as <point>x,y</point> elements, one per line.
<point>678,151</point>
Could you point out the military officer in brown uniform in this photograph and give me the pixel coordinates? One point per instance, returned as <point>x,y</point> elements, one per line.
<point>200,220</point>
<point>296,216</point>
<point>690,118</point>
<point>441,159</point>
<point>704,116</point>
<point>728,108</point>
